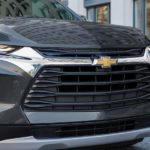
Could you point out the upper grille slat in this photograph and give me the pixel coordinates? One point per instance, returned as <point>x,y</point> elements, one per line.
<point>82,53</point>
<point>48,72</point>
<point>89,88</point>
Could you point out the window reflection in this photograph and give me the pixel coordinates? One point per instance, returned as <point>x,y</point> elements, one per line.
<point>34,8</point>
<point>15,8</point>
<point>142,15</point>
<point>139,14</point>
<point>102,14</point>
<point>99,14</point>
<point>148,18</point>
<point>91,14</point>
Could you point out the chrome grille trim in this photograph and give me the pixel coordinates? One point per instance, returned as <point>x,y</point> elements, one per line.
<point>34,65</point>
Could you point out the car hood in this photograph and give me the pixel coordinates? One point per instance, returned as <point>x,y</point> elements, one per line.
<point>38,32</point>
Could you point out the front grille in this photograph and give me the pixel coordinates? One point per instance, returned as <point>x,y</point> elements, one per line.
<point>90,128</point>
<point>88,88</point>
<point>94,53</point>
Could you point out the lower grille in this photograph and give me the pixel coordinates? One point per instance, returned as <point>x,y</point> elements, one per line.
<point>96,129</point>
<point>90,128</point>
<point>88,88</point>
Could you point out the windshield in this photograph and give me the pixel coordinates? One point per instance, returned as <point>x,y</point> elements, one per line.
<point>35,8</point>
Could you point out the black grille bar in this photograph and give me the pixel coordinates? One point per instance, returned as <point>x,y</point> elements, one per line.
<point>89,88</point>
<point>45,104</point>
<point>39,82</point>
<point>82,53</point>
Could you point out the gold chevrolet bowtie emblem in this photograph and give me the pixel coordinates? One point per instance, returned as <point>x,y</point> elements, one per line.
<point>105,62</point>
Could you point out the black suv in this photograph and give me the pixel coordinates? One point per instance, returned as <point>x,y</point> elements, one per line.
<point>68,84</point>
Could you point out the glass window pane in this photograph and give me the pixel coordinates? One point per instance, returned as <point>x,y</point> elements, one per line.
<point>139,14</point>
<point>91,14</point>
<point>102,14</point>
<point>148,18</point>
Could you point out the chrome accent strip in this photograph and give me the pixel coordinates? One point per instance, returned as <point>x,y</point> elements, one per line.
<point>32,66</point>
<point>139,60</point>
<point>36,61</point>
<point>30,143</point>
<point>27,52</point>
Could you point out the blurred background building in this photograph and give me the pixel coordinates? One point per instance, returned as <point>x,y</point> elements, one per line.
<point>134,13</point>
<point>65,2</point>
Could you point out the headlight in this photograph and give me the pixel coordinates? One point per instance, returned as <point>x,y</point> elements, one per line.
<point>8,49</point>
<point>25,58</point>
<point>24,52</point>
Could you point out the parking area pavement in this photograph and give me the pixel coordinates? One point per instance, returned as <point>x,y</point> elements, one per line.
<point>145,145</point>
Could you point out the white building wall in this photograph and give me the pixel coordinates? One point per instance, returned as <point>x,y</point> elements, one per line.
<point>77,6</point>
<point>122,12</point>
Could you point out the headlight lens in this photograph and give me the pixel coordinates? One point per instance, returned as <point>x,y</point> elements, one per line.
<point>25,58</point>
<point>5,49</point>
<point>19,52</point>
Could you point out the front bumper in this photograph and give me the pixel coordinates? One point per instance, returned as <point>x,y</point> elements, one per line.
<point>30,143</point>
<point>22,75</point>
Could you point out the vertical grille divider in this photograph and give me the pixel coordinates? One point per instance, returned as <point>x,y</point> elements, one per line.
<point>94,129</point>
<point>76,53</point>
<point>76,130</point>
<point>95,79</point>
<point>124,125</point>
<point>59,80</point>
<point>111,127</point>
<point>77,87</point>
<point>110,87</point>
<point>124,85</point>
<point>136,92</point>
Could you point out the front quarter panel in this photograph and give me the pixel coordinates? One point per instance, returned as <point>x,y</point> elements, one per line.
<point>13,82</point>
